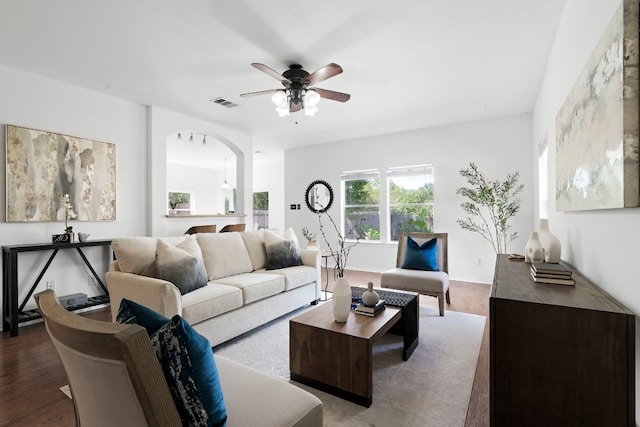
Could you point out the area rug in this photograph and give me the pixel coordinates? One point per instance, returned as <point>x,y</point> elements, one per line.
<point>432,388</point>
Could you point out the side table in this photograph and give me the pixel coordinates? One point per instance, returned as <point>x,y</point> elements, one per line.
<point>325,256</point>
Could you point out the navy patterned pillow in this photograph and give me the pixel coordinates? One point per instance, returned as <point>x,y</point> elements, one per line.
<point>190,369</point>
<point>131,312</point>
<point>187,362</point>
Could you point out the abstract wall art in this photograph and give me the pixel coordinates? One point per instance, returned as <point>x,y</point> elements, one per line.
<point>597,126</point>
<point>41,166</point>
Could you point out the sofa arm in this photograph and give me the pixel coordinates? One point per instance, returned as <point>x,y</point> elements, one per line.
<point>159,295</point>
<point>311,258</point>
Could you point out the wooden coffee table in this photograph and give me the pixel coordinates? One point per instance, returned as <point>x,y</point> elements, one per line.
<point>338,357</point>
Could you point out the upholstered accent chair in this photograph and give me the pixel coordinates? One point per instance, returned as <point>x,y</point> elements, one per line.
<point>233,227</point>
<point>114,375</point>
<point>421,266</point>
<point>201,229</point>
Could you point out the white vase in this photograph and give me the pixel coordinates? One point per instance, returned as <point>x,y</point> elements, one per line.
<point>312,244</point>
<point>341,300</point>
<point>370,297</point>
<point>550,243</point>
<point>533,252</point>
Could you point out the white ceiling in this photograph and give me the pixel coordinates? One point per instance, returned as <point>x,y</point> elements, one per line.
<point>408,64</point>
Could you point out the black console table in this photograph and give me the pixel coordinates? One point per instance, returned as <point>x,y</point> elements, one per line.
<point>12,313</point>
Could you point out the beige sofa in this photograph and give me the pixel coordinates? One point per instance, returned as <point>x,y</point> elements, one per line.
<point>240,293</point>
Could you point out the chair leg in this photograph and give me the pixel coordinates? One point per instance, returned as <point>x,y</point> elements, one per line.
<point>441,303</point>
<point>448,297</point>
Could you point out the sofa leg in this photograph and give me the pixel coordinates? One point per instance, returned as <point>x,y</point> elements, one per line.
<point>448,297</point>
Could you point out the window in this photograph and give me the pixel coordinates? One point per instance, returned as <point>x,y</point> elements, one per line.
<point>361,204</point>
<point>179,203</point>
<point>410,199</point>
<point>261,209</point>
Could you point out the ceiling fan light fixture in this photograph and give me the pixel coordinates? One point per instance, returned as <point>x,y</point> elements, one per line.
<point>310,111</point>
<point>311,98</point>
<point>283,111</point>
<point>280,99</point>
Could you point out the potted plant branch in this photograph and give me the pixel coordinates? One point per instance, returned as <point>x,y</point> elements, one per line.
<point>490,205</point>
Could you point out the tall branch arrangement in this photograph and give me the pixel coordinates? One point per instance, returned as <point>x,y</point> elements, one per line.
<point>490,206</point>
<point>339,253</point>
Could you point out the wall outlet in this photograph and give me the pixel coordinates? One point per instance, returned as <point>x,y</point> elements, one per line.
<point>51,284</point>
<point>92,282</point>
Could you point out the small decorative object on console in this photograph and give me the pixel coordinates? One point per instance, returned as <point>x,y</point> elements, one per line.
<point>62,239</point>
<point>83,237</point>
<point>370,297</point>
<point>533,251</point>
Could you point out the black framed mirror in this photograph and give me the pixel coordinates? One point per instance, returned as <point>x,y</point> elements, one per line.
<point>319,196</point>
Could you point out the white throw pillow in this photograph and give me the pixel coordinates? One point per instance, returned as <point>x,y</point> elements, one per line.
<point>137,255</point>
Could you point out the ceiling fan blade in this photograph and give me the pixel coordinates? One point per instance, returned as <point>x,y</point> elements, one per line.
<point>323,73</point>
<point>261,92</point>
<point>332,94</point>
<point>271,72</point>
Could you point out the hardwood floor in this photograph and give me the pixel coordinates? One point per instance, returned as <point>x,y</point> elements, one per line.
<point>31,373</point>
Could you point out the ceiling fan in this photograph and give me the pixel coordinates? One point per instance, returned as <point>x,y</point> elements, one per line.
<point>298,93</point>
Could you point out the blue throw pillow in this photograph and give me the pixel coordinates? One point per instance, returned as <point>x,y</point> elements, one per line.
<point>190,370</point>
<point>131,312</point>
<point>187,362</point>
<point>421,257</point>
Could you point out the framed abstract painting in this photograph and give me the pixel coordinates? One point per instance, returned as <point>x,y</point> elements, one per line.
<point>43,166</point>
<point>597,126</point>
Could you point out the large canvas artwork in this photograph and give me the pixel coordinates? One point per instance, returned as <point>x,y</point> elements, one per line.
<point>41,166</point>
<point>597,126</point>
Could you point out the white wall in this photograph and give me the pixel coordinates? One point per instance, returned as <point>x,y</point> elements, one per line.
<point>268,175</point>
<point>163,122</point>
<point>603,245</point>
<point>32,101</point>
<point>139,133</point>
<point>497,146</point>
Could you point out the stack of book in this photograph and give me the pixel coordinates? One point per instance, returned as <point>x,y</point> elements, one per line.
<point>551,273</point>
<point>367,310</point>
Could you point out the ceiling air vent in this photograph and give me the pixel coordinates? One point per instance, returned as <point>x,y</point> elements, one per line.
<point>224,102</point>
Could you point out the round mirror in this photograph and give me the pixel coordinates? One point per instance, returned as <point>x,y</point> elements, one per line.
<point>319,196</point>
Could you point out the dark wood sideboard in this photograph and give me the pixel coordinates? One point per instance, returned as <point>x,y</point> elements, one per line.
<point>559,355</point>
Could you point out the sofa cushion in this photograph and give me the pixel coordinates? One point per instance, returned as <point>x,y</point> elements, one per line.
<point>282,251</point>
<point>255,286</point>
<point>224,254</point>
<point>137,255</point>
<point>210,301</point>
<point>294,276</point>
<point>187,362</point>
<point>181,265</point>
<point>254,242</point>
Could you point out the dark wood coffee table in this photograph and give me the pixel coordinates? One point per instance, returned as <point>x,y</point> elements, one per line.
<point>337,357</point>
